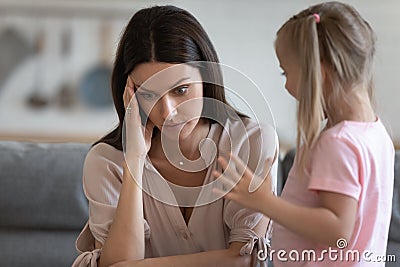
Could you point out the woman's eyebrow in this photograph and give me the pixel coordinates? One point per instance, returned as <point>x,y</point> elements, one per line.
<point>142,88</point>
<point>172,86</point>
<point>179,81</point>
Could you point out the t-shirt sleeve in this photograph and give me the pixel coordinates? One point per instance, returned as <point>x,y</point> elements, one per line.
<point>102,182</point>
<point>335,167</point>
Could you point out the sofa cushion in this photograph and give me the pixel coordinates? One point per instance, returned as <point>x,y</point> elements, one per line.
<point>21,248</point>
<point>394,233</point>
<point>41,185</point>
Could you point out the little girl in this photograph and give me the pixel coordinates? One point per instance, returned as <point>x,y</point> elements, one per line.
<point>336,205</point>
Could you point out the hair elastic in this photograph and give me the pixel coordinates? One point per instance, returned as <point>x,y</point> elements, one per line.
<point>317,17</point>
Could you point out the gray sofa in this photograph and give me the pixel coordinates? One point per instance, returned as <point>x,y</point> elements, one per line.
<point>43,208</point>
<point>42,205</point>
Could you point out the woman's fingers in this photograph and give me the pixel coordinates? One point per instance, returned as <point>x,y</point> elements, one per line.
<point>129,82</point>
<point>129,91</point>
<point>132,110</point>
<point>128,96</point>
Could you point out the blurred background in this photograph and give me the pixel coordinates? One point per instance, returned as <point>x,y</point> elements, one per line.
<point>56,58</point>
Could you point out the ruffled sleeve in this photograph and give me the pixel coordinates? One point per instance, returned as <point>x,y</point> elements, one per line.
<point>102,182</point>
<point>85,244</point>
<point>88,255</point>
<point>241,221</point>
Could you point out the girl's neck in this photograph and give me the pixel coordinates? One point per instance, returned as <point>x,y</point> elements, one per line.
<point>357,107</point>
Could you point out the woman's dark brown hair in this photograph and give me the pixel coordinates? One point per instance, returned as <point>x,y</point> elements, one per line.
<point>162,34</point>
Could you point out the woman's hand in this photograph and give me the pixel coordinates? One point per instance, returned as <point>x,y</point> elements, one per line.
<point>138,137</point>
<point>250,190</point>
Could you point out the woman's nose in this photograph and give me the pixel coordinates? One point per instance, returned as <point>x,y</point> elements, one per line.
<point>167,107</point>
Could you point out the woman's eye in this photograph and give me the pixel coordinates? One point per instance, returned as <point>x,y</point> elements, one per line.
<point>147,96</point>
<point>181,90</point>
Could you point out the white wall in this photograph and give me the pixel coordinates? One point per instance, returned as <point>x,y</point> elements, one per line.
<point>243,33</point>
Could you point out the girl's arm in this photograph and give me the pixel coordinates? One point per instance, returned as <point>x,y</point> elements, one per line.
<point>332,220</point>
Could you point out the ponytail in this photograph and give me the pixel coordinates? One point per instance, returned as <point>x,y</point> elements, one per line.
<point>335,35</point>
<point>310,113</point>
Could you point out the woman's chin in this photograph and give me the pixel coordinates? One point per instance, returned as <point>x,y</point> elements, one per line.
<point>175,133</point>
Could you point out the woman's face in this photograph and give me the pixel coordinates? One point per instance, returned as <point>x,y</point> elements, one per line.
<point>170,95</point>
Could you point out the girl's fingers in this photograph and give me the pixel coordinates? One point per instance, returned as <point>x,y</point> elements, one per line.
<point>257,181</point>
<point>224,194</point>
<point>242,168</point>
<point>267,167</point>
<point>225,182</point>
<point>219,192</point>
<point>229,169</point>
<point>222,161</point>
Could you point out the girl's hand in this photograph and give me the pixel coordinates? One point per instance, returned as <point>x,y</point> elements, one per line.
<point>250,190</point>
<point>138,137</point>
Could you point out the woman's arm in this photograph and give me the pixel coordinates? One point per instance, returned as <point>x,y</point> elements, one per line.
<point>219,258</point>
<point>125,240</point>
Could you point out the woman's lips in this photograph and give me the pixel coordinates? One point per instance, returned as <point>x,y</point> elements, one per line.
<point>172,126</point>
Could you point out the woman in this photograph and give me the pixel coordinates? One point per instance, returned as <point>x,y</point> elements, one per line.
<point>188,124</point>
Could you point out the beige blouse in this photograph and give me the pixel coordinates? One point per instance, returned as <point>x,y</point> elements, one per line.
<point>212,226</point>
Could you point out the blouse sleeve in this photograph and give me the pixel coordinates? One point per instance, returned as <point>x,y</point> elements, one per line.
<point>102,182</point>
<point>242,221</point>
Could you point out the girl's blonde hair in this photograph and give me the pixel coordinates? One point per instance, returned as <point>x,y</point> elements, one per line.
<point>334,35</point>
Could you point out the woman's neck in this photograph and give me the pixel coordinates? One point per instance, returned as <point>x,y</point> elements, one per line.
<point>189,147</point>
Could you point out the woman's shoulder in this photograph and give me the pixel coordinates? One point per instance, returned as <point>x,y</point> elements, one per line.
<point>102,156</point>
<point>250,128</point>
<point>240,125</point>
<point>101,151</point>
<point>102,174</point>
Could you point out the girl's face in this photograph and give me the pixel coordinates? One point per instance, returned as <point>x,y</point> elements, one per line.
<point>290,68</point>
<point>170,95</point>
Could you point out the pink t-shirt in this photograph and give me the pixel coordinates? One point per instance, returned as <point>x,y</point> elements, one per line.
<point>355,159</point>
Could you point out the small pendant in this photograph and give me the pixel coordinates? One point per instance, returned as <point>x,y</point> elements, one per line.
<point>181,163</point>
